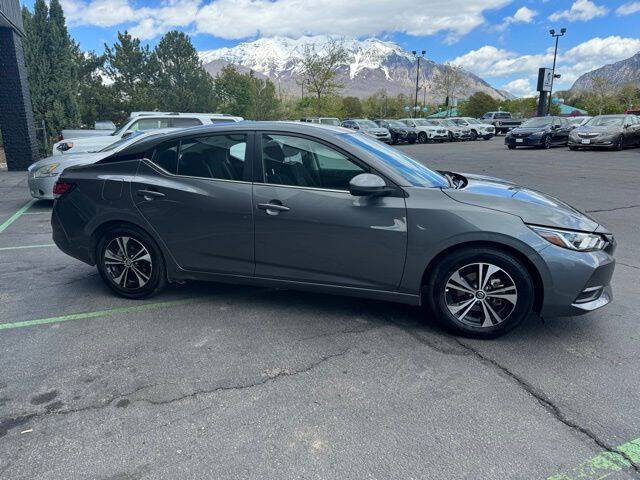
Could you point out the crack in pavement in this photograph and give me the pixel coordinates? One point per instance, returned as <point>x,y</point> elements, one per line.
<point>434,346</point>
<point>627,265</point>
<point>552,408</point>
<point>24,417</point>
<point>612,209</point>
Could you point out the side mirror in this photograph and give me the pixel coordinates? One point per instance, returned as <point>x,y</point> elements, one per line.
<point>627,125</point>
<point>367,185</point>
<point>555,127</point>
<point>127,134</point>
<point>356,127</point>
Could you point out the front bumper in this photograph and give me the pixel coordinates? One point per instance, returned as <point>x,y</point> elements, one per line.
<point>529,141</point>
<point>42,187</point>
<point>579,282</point>
<point>606,142</point>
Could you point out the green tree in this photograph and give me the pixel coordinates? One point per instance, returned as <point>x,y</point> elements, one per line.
<point>265,104</point>
<point>181,83</point>
<point>233,91</point>
<point>131,68</point>
<point>477,105</point>
<point>352,107</point>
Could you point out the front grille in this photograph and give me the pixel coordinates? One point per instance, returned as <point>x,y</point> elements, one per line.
<point>588,135</point>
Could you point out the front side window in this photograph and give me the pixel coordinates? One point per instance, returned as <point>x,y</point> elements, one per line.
<point>149,124</point>
<point>301,162</point>
<point>213,156</point>
<point>166,156</point>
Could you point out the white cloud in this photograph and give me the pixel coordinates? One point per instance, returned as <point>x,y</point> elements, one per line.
<point>523,15</point>
<point>238,19</point>
<point>520,87</point>
<point>628,8</point>
<point>580,10</point>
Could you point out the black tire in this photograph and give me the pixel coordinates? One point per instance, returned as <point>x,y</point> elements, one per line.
<point>474,135</point>
<point>412,141</point>
<point>546,142</point>
<point>511,147</point>
<point>157,277</point>
<point>436,291</point>
<point>450,137</point>
<point>422,137</point>
<point>619,145</point>
<point>573,148</point>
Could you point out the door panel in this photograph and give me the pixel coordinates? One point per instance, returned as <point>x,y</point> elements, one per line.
<point>330,237</point>
<point>206,223</point>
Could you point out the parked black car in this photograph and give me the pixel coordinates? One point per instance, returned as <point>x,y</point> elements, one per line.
<point>399,131</point>
<point>542,132</point>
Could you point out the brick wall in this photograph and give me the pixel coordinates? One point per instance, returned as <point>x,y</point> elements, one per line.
<point>16,115</point>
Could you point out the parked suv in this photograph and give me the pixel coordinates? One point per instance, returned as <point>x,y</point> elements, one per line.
<point>141,121</point>
<point>542,132</point>
<point>368,127</point>
<point>455,132</point>
<point>428,130</point>
<point>398,130</point>
<point>502,121</point>
<point>479,129</point>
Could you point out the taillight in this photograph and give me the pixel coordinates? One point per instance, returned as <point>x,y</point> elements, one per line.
<point>61,187</point>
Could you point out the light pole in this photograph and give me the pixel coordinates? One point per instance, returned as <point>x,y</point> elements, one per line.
<point>553,70</point>
<point>415,105</point>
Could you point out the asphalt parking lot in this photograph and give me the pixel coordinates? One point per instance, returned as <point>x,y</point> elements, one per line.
<point>225,382</point>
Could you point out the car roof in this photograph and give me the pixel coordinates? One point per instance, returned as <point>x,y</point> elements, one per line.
<point>315,129</point>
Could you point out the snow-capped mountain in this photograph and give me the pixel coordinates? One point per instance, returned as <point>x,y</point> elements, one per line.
<point>372,65</point>
<point>618,74</point>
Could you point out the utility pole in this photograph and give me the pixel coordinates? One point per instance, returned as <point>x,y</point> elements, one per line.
<point>553,70</point>
<point>415,105</point>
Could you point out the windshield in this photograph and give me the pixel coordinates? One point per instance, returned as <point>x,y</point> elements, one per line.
<point>396,123</point>
<point>576,120</point>
<point>605,121</point>
<point>119,129</point>
<point>423,123</point>
<point>473,121</point>
<point>330,121</point>
<point>448,123</point>
<point>366,123</point>
<point>537,122</point>
<point>411,170</point>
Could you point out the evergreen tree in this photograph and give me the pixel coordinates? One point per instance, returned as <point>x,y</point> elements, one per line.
<point>234,91</point>
<point>131,67</point>
<point>181,83</point>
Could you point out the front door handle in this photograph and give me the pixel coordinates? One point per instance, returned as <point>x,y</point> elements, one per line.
<point>273,208</point>
<point>149,195</point>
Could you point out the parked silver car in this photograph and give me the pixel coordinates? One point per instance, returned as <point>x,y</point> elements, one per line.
<point>368,127</point>
<point>609,131</point>
<point>479,129</point>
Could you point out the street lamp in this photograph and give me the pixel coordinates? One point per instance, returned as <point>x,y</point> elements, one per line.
<point>553,70</point>
<point>415,105</point>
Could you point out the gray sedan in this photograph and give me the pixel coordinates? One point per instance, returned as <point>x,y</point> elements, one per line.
<point>326,209</point>
<point>609,131</point>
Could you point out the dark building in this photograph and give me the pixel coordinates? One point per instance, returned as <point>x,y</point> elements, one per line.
<point>16,115</point>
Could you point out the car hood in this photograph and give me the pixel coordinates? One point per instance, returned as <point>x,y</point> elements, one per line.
<point>375,130</point>
<point>70,159</point>
<point>533,207</point>
<point>530,129</point>
<point>604,129</point>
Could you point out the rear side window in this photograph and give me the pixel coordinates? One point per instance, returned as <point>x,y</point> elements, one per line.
<point>502,115</point>
<point>166,157</point>
<point>214,156</point>
<point>185,122</point>
<point>221,120</point>
<point>149,124</point>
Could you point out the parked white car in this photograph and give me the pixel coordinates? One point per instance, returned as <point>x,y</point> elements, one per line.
<point>44,173</point>
<point>141,121</point>
<point>479,129</point>
<point>428,131</point>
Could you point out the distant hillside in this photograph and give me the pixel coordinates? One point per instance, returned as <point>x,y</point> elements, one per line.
<point>372,65</point>
<point>619,74</point>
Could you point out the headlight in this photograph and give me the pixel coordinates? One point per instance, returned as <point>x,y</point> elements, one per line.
<point>539,133</point>
<point>580,241</point>
<point>47,171</point>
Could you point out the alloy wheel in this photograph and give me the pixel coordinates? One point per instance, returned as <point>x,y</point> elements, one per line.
<point>128,263</point>
<point>481,295</point>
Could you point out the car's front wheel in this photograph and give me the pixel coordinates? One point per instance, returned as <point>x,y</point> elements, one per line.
<point>130,263</point>
<point>619,145</point>
<point>474,135</point>
<point>422,137</point>
<point>480,292</point>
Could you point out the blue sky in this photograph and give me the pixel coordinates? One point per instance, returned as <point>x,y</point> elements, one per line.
<point>503,41</point>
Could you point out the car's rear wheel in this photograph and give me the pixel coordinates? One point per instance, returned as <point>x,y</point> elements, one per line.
<point>422,137</point>
<point>511,147</point>
<point>130,263</point>
<point>480,292</point>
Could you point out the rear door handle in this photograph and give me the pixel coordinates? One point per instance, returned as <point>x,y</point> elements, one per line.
<point>274,207</point>
<point>150,194</point>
